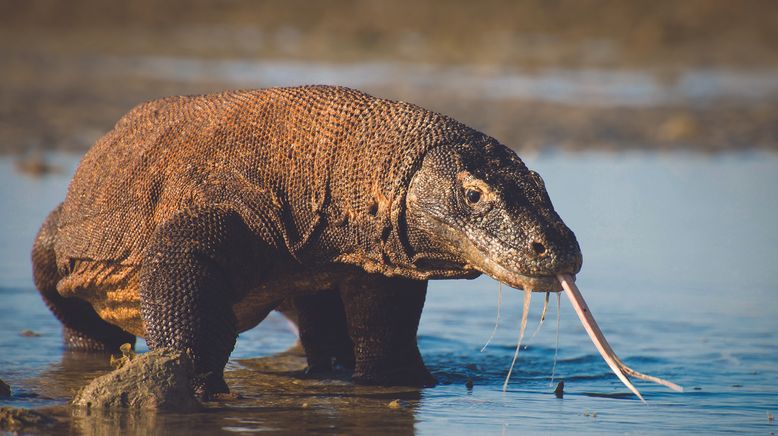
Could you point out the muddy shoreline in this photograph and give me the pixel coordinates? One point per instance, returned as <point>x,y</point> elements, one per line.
<point>70,71</point>
<point>60,103</point>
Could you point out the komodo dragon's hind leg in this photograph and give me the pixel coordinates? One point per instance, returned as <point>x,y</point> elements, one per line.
<point>195,267</point>
<point>321,321</point>
<point>82,328</point>
<point>383,316</point>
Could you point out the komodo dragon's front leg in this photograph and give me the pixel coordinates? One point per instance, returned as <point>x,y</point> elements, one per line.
<point>383,317</point>
<point>194,268</point>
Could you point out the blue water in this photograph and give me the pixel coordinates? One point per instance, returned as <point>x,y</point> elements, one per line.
<point>679,256</point>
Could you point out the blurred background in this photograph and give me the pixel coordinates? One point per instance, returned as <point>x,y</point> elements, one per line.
<point>602,74</point>
<point>653,123</point>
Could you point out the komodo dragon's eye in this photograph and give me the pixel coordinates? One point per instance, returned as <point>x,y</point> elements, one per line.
<point>473,196</point>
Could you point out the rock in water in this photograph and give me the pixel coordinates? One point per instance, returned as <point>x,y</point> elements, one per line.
<point>159,380</point>
<point>5,390</point>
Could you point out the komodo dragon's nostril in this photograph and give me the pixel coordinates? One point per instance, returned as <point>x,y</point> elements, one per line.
<point>538,248</point>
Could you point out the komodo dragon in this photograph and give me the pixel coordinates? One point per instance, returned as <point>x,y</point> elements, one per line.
<point>196,216</point>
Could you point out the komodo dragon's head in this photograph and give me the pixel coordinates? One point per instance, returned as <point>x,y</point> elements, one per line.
<point>480,208</point>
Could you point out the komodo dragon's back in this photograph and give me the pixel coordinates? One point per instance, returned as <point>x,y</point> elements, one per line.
<point>291,145</point>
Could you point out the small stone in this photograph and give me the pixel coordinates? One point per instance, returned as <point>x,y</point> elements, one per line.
<point>5,390</point>
<point>559,392</point>
<point>394,404</point>
<point>159,379</point>
<point>35,164</point>
<point>305,405</point>
<point>29,334</point>
<point>677,128</point>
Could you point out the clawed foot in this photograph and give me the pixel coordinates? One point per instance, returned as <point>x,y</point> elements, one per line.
<point>209,387</point>
<point>328,369</point>
<point>415,376</point>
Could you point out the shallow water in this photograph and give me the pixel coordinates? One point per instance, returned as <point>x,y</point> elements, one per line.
<point>679,255</point>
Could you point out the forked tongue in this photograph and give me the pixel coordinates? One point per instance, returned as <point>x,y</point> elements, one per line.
<point>607,353</point>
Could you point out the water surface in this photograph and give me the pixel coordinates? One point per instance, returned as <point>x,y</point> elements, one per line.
<point>679,257</point>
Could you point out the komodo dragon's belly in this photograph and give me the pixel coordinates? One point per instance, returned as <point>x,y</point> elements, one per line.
<point>113,291</point>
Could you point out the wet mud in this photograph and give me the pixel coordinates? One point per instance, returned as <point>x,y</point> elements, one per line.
<point>273,393</point>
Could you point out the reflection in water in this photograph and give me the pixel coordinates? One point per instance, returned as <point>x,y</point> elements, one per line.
<point>60,380</point>
<point>678,268</point>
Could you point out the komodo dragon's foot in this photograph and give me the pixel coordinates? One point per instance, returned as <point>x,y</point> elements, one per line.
<point>321,322</point>
<point>333,366</point>
<point>211,387</point>
<point>415,375</point>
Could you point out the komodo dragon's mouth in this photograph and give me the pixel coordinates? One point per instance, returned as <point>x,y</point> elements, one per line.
<point>536,283</point>
<point>479,260</point>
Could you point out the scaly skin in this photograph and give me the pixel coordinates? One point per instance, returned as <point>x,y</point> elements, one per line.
<point>196,216</point>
